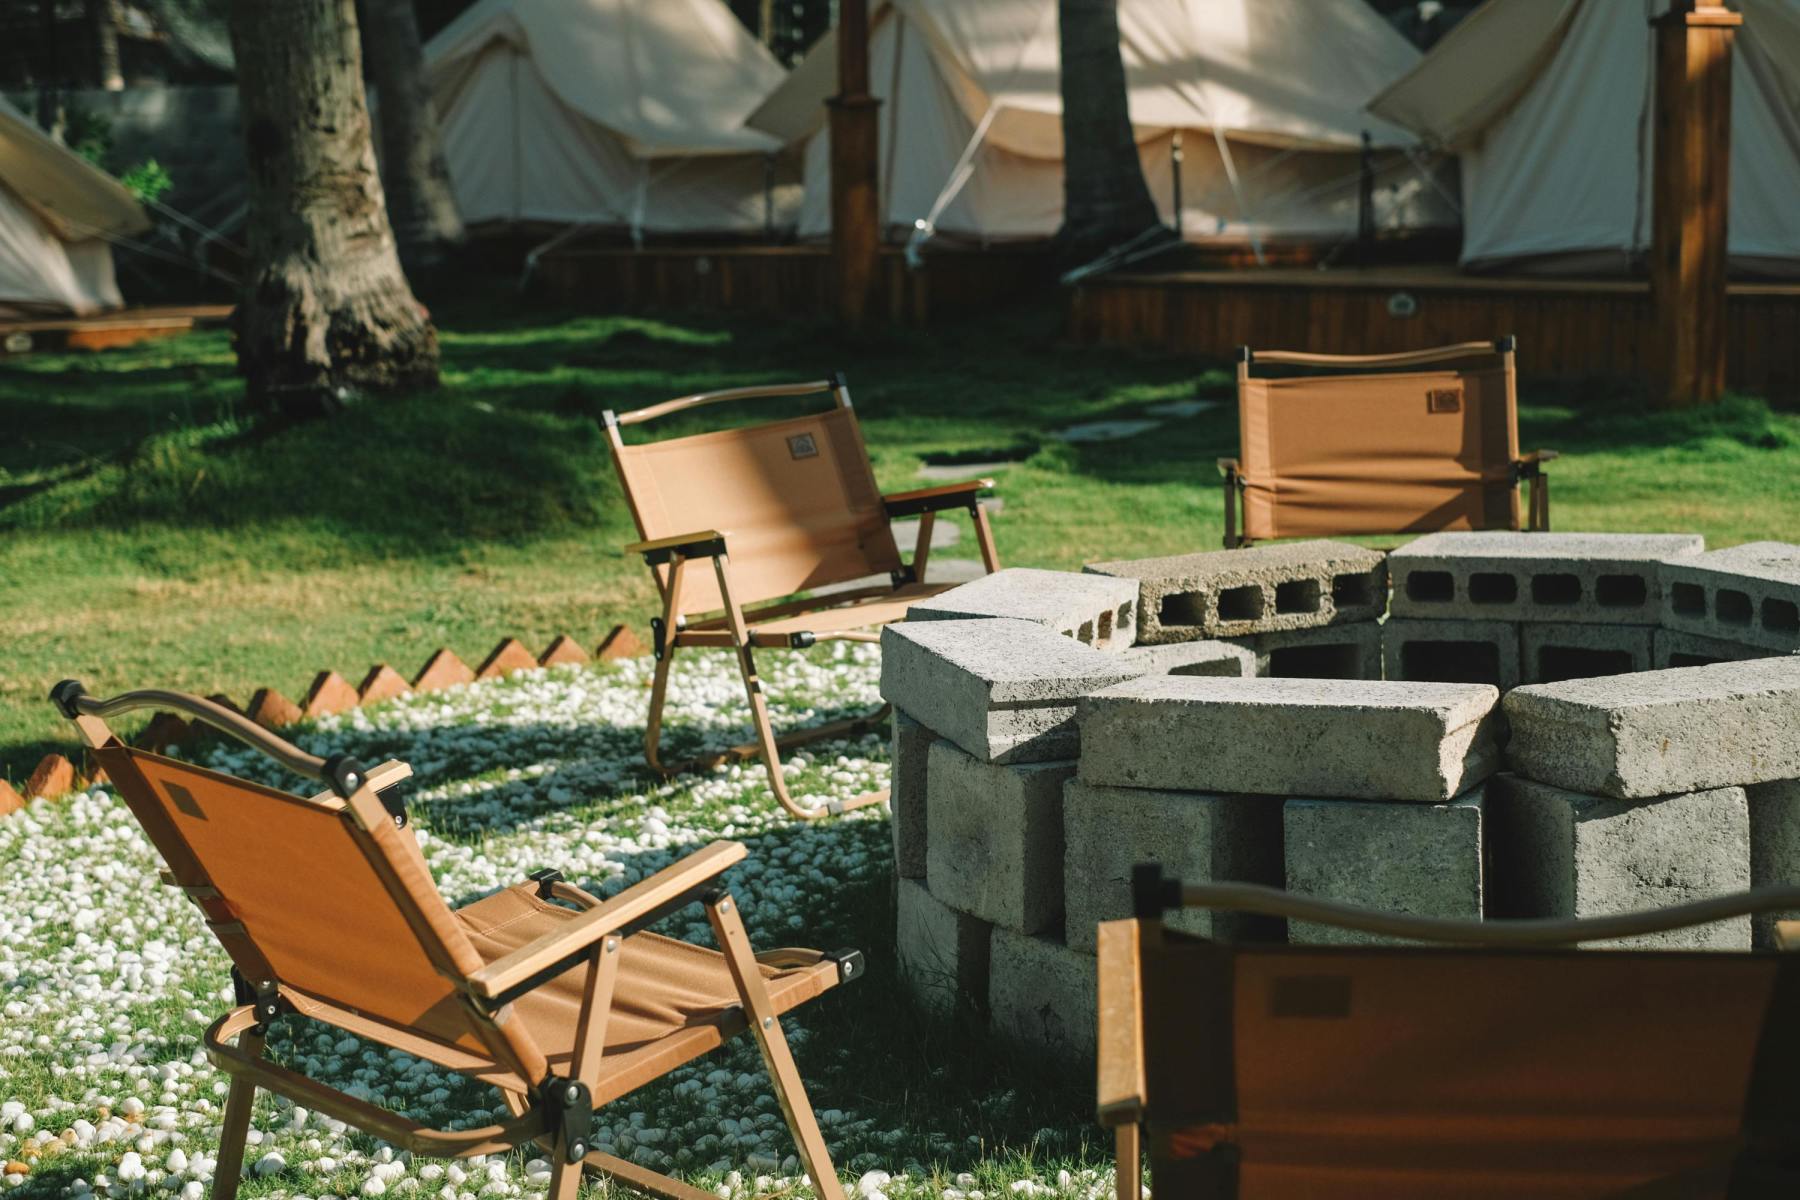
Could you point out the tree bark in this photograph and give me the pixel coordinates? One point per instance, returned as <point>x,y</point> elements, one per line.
<point>326,313</point>
<point>419,201</point>
<point>103,20</point>
<point>1105,199</point>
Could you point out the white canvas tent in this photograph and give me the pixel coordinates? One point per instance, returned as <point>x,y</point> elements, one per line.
<point>1267,95</point>
<point>624,113</point>
<point>1549,106</point>
<point>57,214</point>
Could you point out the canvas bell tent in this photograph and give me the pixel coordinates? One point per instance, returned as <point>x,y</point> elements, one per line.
<point>1549,106</point>
<point>1266,95</point>
<point>58,215</point>
<point>614,113</point>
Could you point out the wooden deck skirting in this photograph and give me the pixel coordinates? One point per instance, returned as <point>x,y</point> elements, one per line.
<point>1565,327</point>
<point>103,331</point>
<point>791,281</point>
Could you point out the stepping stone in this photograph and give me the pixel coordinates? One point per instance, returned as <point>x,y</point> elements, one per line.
<point>943,533</point>
<point>1106,431</point>
<point>957,472</point>
<point>1181,408</point>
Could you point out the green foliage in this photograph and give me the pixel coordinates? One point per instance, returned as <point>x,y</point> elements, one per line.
<point>88,134</point>
<point>148,181</point>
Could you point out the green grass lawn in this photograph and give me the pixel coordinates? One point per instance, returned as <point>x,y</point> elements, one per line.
<point>153,534</point>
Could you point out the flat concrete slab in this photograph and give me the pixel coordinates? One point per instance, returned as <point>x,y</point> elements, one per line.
<point>1661,733</point>
<point>996,844</point>
<point>911,746</point>
<point>1424,860</point>
<point>1558,853</point>
<point>1498,575</point>
<point>1349,739</point>
<point>1748,593</point>
<point>1003,690</point>
<point>1774,849</point>
<point>942,953</point>
<point>1234,593</point>
<point>1195,658</point>
<point>1093,609</point>
<point>1043,995</point>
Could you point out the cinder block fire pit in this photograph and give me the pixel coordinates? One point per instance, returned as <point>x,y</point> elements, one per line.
<point>1473,725</point>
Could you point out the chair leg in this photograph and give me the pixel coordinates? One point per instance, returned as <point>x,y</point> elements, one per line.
<point>765,1026</point>
<point>565,1176</point>
<point>659,695</point>
<point>984,538</point>
<point>229,1169</point>
<point>1128,1166</point>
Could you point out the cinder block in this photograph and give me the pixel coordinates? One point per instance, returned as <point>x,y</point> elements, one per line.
<point>1424,860</point>
<point>1660,733</point>
<point>1554,651</point>
<point>942,953</point>
<point>1748,593</point>
<point>1003,690</point>
<point>1042,995</point>
<point>995,843</point>
<point>1558,853</point>
<point>1498,575</point>
<point>1092,609</point>
<point>1678,648</point>
<point>1200,839</point>
<point>1366,740</point>
<point>1349,651</point>
<point>1452,651</point>
<point>1774,849</point>
<point>1261,589</point>
<point>906,794</point>
<point>1194,658</point>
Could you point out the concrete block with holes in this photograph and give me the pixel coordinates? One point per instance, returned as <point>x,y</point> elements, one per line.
<point>1198,838</point>
<point>996,844</point>
<point>1774,849</point>
<point>1004,690</point>
<point>1660,733</point>
<point>1425,860</point>
<point>1093,609</point>
<point>1356,739</point>
<point>1558,853</point>
<point>1678,648</point>
<point>1497,575</point>
<point>1208,657</point>
<point>906,794</point>
<point>1452,651</point>
<point>1042,995</point>
<point>1233,593</point>
<point>1748,593</point>
<point>1347,651</point>
<point>942,953</point>
<point>1552,651</point>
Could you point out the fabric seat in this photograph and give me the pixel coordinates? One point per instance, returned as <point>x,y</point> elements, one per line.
<point>858,614</point>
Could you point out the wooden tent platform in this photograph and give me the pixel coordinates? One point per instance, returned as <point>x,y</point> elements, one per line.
<point>1565,327</point>
<point>127,327</point>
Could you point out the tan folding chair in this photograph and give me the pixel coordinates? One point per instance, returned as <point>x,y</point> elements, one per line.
<point>780,508</point>
<point>1503,1064</point>
<point>328,911</point>
<point>1393,450</point>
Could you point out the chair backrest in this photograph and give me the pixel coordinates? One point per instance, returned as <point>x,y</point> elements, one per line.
<point>1394,449</point>
<point>796,498</point>
<point>299,893</point>
<point>1411,1073</point>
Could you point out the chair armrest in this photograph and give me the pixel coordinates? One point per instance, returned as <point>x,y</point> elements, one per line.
<point>380,778</point>
<point>1121,1043</point>
<point>705,543</point>
<point>1541,456</point>
<point>1229,466</point>
<point>933,499</point>
<point>645,902</point>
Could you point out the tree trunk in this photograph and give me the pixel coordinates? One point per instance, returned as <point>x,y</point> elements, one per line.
<point>419,202</point>
<point>326,313</point>
<point>1105,199</point>
<point>103,19</point>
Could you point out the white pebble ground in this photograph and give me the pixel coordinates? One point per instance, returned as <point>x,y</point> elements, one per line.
<point>107,980</point>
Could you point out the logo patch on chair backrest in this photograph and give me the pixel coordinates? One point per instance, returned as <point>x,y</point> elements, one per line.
<point>1444,400</point>
<point>184,800</point>
<point>802,445</point>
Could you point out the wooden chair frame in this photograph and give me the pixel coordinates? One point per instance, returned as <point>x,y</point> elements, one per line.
<point>1527,467</point>
<point>1123,1100</point>
<point>735,627</point>
<point>553,1111</point>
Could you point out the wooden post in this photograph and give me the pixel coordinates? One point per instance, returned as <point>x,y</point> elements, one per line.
<point>1690,191</point>
<point>855,182</point>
